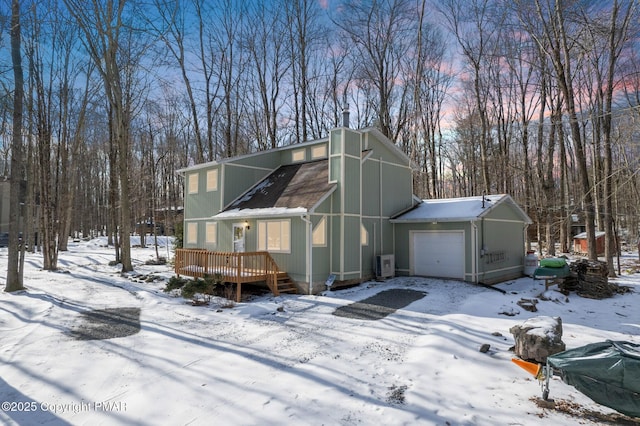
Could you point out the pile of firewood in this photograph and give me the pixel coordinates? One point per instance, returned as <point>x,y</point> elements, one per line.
<point>590,278</point>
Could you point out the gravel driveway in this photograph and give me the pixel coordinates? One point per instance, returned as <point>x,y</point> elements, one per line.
<point>380,305</point>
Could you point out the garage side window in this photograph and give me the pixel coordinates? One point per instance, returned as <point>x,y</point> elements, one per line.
<point>192,233</point>
<point>274,236</point>
<point>192,183</point>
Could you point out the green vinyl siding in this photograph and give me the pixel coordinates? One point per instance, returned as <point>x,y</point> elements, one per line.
<point>351,186</point>
<point>397,189</point>
<point>371,188</point>
<point>239,179</point>
<point>502,257</point>
<point>203,203</point>
<point>352,146</point>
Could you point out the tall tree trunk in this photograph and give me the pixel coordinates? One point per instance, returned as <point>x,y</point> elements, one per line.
<point>15,261</point>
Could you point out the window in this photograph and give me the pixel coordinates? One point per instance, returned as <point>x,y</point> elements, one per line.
<point>193,183</point>
<point>298,155</point>
<point>274,235</point>
<point>212,180</point>
<point>192,233</point>
<point>319,151</point>
<point>364,235</point>
<point>211,236</point>
<point>319,233</point>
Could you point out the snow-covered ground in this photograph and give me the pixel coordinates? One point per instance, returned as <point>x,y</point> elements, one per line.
<point>284,360</point>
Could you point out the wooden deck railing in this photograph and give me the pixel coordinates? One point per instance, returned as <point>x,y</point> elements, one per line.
<point>233,267</point>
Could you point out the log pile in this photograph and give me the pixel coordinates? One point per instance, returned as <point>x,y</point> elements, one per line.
<point>590,278</point>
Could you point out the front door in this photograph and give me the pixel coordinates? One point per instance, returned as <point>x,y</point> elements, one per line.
<point>238,238</point>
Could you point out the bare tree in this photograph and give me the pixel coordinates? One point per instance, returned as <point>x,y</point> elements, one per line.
<point>614,34</point>
<point>476,26</point>
<point>265,41</point>
<point>382,33</point>
<point>102,25</point>
<point>548,27</point>
<point>15,261</point>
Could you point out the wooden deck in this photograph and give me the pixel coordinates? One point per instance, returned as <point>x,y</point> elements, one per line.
<point>233,267</point>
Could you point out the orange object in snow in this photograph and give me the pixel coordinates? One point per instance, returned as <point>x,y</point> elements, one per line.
<point>530,367</point>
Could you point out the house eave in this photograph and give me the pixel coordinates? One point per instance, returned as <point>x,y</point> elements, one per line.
<point>238,214</point>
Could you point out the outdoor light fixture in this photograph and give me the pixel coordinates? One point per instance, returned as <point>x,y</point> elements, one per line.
<point>246,225</point>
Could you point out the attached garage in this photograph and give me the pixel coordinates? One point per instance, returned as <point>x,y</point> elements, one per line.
<point>476,239</point>
<point>437,254</point>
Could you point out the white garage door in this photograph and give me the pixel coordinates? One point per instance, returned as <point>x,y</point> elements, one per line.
<point>438,254</point>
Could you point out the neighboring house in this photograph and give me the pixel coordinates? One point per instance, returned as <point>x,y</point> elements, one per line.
<point>581,243</point>
<point>330,208</point>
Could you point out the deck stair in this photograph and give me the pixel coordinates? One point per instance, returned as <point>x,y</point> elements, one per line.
<point>285,284</point>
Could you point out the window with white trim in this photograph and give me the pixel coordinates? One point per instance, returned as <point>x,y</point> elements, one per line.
<point>274,235</point>
<point>192,233</point>
<point>211,233</point>
<point>319,151</point>
<point>192,183</point>
<point>212,180</point>
<point>364,235</point>
<point>319,233</point>
<point>298,155</point>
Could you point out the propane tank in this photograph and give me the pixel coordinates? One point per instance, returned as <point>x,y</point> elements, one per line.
<point>530,263</point>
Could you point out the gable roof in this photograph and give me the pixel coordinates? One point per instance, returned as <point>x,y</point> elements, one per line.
<point>457,209</point>
<point>289,190</point>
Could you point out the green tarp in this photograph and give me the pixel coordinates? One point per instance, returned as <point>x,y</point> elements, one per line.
<point>545,271</point>
<point>607,372</point>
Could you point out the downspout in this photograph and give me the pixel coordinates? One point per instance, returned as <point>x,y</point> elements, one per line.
<point>474,251</point>
<point>309,250</point>
<point>380,207</point>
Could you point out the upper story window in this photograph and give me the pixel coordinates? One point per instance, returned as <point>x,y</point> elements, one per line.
<point>319,151</point>
<point>298,155</point>
<point>192,183</point>
<point>212,180</point>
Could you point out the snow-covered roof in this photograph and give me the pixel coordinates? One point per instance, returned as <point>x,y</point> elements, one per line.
<point>583,235</point>
<point>457,209</point>
<point>264,212</point>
